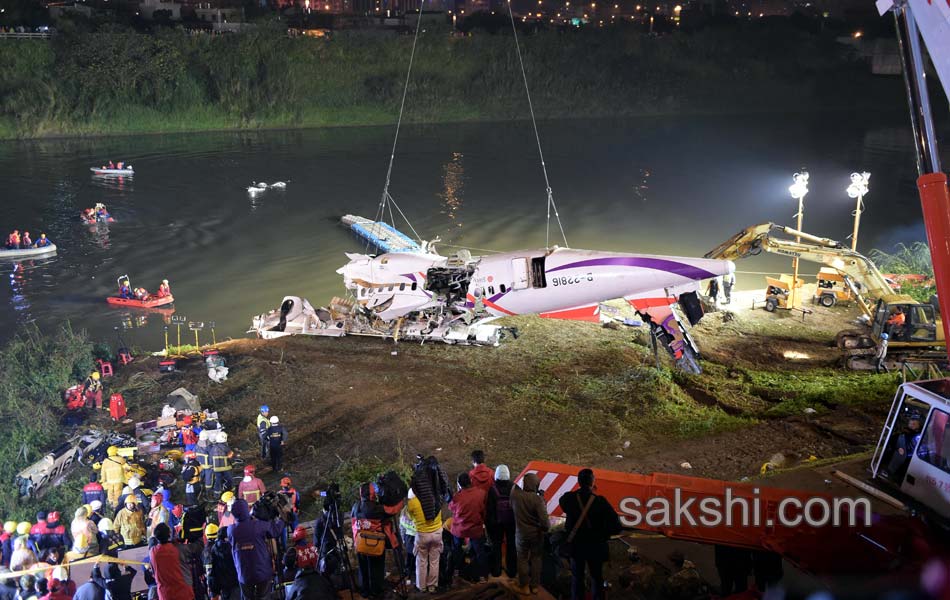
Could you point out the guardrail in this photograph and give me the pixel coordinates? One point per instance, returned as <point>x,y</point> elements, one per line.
<point>24,36</point>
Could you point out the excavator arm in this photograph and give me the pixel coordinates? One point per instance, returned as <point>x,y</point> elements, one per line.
<point>860,272</point>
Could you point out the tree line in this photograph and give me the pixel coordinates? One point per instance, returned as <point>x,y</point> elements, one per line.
<point>117,80</point>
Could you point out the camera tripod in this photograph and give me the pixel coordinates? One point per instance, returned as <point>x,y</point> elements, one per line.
<point>332,544</point>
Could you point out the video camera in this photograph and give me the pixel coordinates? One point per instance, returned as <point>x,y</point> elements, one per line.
<point>331,495</point>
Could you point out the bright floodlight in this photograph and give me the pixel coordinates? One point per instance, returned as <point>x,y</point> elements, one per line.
<point>859,184</point>
<point>799,188</point>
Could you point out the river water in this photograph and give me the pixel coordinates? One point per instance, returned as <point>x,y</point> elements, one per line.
<point>659,185</point>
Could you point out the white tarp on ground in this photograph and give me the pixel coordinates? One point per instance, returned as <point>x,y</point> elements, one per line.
<point>182,399</point>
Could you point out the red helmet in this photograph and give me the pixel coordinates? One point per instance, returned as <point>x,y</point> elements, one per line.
<point>300,533</point>
<point>250,469</point>
<point>191,454</point>
<point>52,517</point>
<point>285,482</point>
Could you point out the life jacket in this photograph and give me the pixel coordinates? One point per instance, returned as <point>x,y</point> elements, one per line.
<point>125,291</point>
<point>188,437</point>
<point>164,290</point>
<point>191,472</point>
<point>293,495</point>
<point>26,242</point>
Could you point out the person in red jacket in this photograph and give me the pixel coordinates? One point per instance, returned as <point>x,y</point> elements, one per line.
<point>251,487</point>
<point>468,521</point>
<point>482,476</point>
<point>166,566</point>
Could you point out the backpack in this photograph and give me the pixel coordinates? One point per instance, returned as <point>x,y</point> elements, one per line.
<point>392,490</point>
<point>504,512</point>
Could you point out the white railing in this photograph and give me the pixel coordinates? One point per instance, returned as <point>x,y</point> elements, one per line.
<point>24,36</point>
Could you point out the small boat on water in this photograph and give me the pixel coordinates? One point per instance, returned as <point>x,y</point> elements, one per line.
<point>149,302</point>
<point>21,253</point>
<point>127,171</point>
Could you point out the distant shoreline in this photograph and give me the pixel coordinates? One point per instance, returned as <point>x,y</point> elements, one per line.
<point>94,84</point>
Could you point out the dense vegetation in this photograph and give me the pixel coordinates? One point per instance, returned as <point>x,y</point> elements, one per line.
<point>908,260</point>
<point>117,80</point>
<point>34,371</point>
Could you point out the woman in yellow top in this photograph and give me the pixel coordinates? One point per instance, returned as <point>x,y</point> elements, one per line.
<point>428,545</point>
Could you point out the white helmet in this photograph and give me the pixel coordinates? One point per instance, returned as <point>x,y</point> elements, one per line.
<point>222,438</point>
<point>135,483</point>
<point>203,436</point>
<point>105,525</point>
<point>274,420</point>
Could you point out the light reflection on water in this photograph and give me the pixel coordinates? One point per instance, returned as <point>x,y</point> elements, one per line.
<point>665,186</point>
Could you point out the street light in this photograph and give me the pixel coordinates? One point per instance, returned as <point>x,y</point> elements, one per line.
<point>798,190</point>
<point>857,189</point>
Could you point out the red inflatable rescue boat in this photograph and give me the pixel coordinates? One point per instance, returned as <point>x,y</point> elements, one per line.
<point>150,302</point>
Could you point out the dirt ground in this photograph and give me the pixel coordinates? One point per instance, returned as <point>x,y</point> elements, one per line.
<point>570,392</point>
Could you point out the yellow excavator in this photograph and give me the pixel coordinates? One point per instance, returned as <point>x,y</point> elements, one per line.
<point>919,339</point>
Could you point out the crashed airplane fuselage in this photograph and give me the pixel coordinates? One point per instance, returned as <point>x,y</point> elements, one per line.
<point>557,283</point>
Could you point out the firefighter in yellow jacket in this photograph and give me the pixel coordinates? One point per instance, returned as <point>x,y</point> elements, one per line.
<point>113,475</point>
<point>130,522</point>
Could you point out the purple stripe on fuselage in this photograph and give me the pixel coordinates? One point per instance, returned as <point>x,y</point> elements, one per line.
<point>659,264</point>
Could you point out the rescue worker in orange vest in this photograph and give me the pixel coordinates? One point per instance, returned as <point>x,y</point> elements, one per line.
<point>113,475</point>
<point>287,489</point>
<point>13,240</point>
<point>92,390</point>
<point>895,323</point>
<point>25,241</point>
<point>164,289</point>
<point>251,487</point>
<point>141,293</point>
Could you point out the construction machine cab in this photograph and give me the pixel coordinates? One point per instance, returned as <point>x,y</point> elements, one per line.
<point>920,325</point>
<point>915,457</point>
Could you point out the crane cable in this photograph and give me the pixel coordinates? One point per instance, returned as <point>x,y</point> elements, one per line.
<point>386,200</point>
<point>537,137</point>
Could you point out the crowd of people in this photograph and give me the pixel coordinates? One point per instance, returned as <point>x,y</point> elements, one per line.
<point>18,241</point>
<point>251,541</point>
